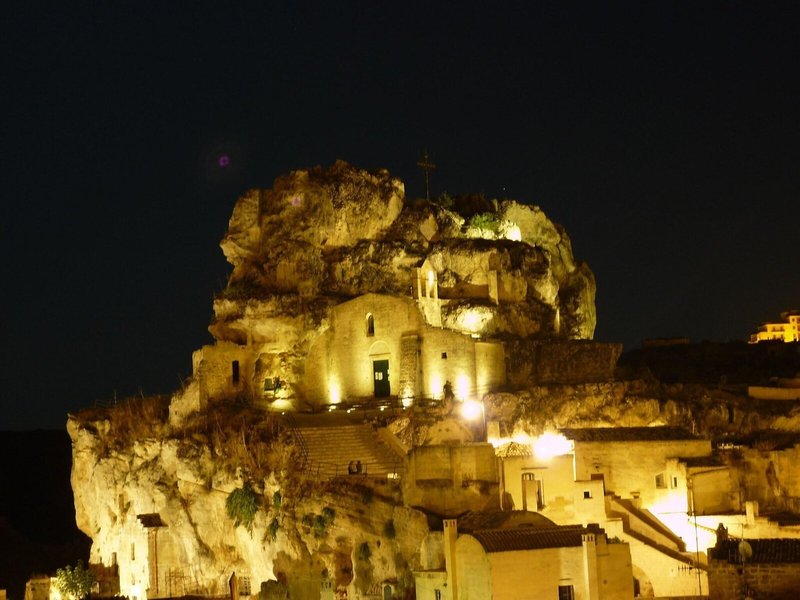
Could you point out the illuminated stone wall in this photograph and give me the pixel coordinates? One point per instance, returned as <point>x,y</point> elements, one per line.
<point>508,575</point>
<point>556,475</point>
<point>768,581</point>
<point>630,468</point>
<point>215,372</point>
<point>421,358</point>
<point>452,479</point>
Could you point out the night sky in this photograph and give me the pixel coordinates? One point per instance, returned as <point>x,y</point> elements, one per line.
<point>664,136</point>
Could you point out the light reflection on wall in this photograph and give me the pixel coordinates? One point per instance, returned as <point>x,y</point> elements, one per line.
<point>471,410</point>
<point>436,387</point>
<point>462,387</point>
<point>545,446</point>
<point>334,391</point>
<point>512,232</point>
<point>551,444</point>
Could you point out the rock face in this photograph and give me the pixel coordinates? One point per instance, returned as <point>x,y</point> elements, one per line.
<point>154,501</point>
<point>346,232</point>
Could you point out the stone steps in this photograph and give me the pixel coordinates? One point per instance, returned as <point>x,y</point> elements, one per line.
<point>331,449</point>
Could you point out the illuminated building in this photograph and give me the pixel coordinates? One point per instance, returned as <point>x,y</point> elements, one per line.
<point>786,331</point>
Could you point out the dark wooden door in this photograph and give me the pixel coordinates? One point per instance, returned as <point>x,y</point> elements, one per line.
<point>380,376</point>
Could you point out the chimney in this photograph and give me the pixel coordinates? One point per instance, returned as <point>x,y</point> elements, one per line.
<point>751,511</point>
<point>450,537</point>
<point>590,574</point>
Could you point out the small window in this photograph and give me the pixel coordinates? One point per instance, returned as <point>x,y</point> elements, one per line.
<point>370,325</point>
<point>587,495</point>
<point>566,592</point>
<point>235,371</point>
<point>444,355</point>
<point>661,481</point>
<point>437,594</point>
<point>674,481</point>
<point>133,551</point>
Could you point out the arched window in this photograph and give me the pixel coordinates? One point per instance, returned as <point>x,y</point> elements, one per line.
<point>370,325</point>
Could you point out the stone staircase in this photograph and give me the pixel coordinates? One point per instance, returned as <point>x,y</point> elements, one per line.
<point>331,449</point>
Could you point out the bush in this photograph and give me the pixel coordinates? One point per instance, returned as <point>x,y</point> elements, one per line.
<point>242,506</point>
<point>320,526</point>
<point>75,583</point>
<point>328,514</point>
<point>444,200</point>
<point>485,221</point>
<point>277,499</point>
<point>272,529</point>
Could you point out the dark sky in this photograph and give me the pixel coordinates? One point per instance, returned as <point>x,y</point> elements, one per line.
<point>663,136</point>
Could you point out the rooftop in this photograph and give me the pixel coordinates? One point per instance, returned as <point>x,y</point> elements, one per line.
<point>150,520</point>
<point>532,538</point>
<point>512,449</point>
<point>628,434</point>
<point>500,519</point>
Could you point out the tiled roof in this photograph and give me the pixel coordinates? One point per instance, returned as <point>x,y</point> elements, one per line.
<point>628,434</point>
<point>764,551</point>
<point>499,519</point>
<point>701,461</point>
<point>514,449</point>
<point>531,538</point>
<point>151,520</point>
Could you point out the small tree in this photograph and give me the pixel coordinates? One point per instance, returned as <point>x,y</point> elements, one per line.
<point>75,583</point>
<point>485,222</point>
<point>242,506</point>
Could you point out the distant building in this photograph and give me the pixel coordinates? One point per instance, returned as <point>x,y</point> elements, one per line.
<point>38,587</point>
<point>786,331</point>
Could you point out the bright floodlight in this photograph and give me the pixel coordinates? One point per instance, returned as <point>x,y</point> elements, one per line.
<point>549,444</point>
<point>471,410</point>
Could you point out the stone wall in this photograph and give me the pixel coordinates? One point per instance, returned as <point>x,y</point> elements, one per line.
<point>769,581</point>
<point>630,468</point>
<point>450,480</point>
<point>575,361</point>
<point>422,359</point>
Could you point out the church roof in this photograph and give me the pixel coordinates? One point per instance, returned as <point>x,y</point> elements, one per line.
<point>628,434</point>
<point>499,519</point>
<point>532,538</point>
<point>764,551</point>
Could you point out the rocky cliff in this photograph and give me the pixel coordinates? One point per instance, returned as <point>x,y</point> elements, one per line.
<point>336,233</point>
<point>154,500</point>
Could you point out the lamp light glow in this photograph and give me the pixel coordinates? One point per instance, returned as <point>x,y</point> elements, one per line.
<point>550,444</point>
<point>471,410</point>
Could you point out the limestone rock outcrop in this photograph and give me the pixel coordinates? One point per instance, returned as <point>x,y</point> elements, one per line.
<point>344,232</point>
<point>154,502</point>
